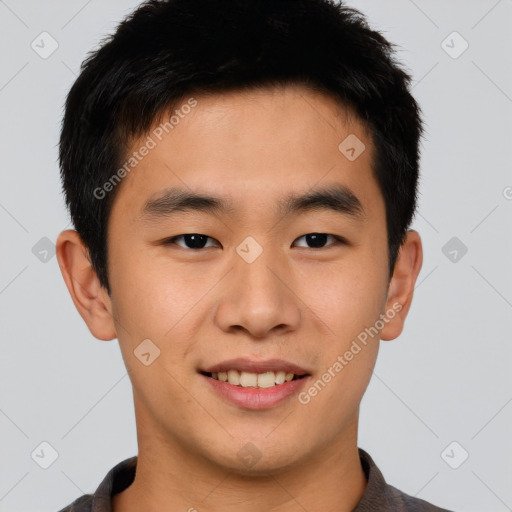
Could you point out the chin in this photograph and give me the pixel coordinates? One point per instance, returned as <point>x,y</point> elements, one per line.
<point>255,460</point>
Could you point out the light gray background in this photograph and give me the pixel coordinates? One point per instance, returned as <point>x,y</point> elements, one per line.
<point>446,378</point>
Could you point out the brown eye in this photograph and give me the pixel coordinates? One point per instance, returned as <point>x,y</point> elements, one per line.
<point>318,240</point>
<point>191,240</point>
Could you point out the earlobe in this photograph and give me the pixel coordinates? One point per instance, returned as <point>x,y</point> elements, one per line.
<point>401,286</point>
<point>90,298</point>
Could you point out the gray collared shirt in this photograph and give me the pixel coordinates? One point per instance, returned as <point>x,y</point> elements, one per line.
<point>378,495</point>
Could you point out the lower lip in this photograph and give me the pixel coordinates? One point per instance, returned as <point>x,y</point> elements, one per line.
<point>256,398</point>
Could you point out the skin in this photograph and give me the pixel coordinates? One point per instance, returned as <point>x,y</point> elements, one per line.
<point>294,302</point>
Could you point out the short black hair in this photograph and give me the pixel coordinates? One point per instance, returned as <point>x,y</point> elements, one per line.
<point>168,49</point>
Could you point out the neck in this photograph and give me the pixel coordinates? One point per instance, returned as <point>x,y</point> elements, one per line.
<point>170,477</point>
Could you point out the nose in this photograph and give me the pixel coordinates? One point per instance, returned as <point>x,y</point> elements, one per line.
<point>258,298</point>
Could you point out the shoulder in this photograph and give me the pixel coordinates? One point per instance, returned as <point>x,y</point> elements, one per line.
<point>409,503</point>
<point>379,495</point>
<point>81,504</point>
<point>117,479</point>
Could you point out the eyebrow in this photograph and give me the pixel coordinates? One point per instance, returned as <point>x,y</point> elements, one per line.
<point>338,198</point>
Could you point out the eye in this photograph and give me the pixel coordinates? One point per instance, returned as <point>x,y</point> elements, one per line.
<point>318,239</point>
<point>192,240</point>
<point>198,241</point>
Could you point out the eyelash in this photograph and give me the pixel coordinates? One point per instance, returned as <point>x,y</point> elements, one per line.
<point>338,240</point>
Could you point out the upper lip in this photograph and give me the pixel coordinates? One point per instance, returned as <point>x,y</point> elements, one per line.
<point>254,366</point>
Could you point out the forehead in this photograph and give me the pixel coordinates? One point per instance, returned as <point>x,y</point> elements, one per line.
<point>251,147</point>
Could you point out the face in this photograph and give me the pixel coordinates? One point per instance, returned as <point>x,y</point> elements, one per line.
<point>258,280</point>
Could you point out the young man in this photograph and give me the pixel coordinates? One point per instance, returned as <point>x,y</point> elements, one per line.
<point>241,175</point>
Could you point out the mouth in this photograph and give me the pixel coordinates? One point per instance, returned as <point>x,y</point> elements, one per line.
<point>251,372</point>
<point>255,391</point>
<point>263,380</point>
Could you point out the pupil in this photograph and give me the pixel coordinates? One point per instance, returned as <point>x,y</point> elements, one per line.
<point>195,241</point>
<point>316,239</point>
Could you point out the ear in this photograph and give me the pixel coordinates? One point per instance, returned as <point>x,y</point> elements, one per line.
<point>401,285</point>
<point>90,298</point>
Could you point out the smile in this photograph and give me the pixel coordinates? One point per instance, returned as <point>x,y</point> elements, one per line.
<point>254,380</point>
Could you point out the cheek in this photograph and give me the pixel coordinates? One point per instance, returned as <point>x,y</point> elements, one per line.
<point>152,302</point>
<point>153,296</point>
<point>347,296</point>
<point>157,299</point>
<point>349,300</point>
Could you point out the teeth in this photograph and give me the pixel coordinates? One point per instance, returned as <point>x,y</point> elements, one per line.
<point>248,379</point>
<point>266,380</point>
<point>281,377</point>
<point>253,380</point>
<point>233,377</point>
